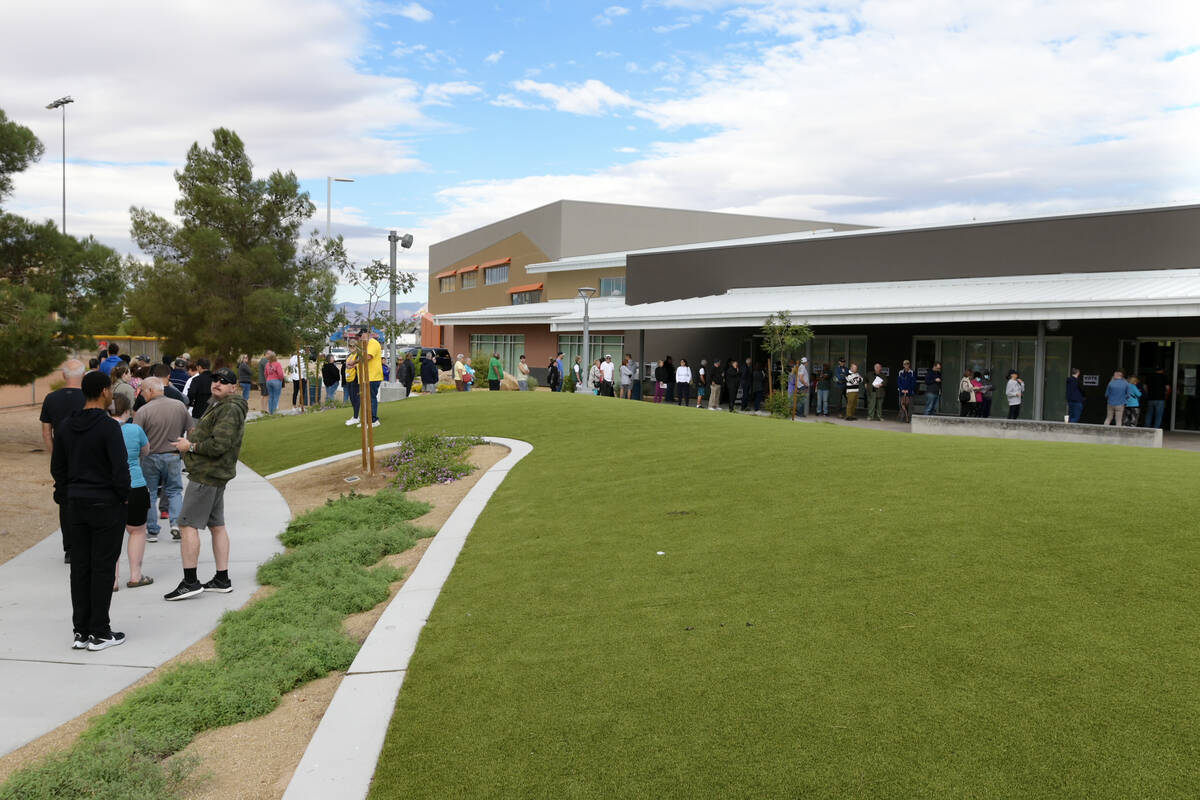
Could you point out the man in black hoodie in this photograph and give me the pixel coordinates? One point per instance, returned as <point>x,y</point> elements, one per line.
<point>91,473</point>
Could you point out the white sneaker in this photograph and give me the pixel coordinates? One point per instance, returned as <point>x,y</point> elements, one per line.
<point>375,424</point>
<point>351,421</point>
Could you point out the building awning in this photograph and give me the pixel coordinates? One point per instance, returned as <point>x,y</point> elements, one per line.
<point>572,263</point>
<point>499,262</point>
<point>525,313</point>
<point>471,268</point>
<point>1102,295</point>
<point>445,274</point>
<point>527,287</point>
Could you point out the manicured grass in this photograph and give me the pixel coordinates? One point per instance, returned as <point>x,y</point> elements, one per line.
<point>839,612</point>
<point>263,651</point>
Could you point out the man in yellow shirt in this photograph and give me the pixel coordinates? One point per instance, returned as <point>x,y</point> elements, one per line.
<point>374,365</point>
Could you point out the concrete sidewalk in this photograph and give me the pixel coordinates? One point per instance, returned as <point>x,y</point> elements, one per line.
<point>44,683</point>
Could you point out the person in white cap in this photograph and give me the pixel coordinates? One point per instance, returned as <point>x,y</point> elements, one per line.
<point>606,376</point>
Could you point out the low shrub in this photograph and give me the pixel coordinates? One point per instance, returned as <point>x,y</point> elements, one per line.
<point>426,460</point>
<point>778,404</point>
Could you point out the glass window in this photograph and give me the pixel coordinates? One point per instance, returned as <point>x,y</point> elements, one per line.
<point>446,284</point>
<point>612,287</point>
<point>521,298</point>
<point>495,275</point>
<point>470,279</point>
<point>572,345</point>
<point>509,346</point>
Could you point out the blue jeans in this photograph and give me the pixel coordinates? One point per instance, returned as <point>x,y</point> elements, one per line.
<point>931,403</point>
<point>1074,410</point>
<point>166,470</point>
<point>351,388</point>
<point>1154,413</point>
<point>802,404</point>
<point>822,402</point>
<point>274,389</point>
<point>375,400</point>
<point>246,392</point>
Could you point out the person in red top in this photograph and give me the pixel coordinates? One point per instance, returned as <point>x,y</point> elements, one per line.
<point>273,373</point>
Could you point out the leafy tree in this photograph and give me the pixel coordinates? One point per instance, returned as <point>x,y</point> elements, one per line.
<point>54,289</point>
<point>230,279</point>
<point>374,281</point>
<point>780,337</point>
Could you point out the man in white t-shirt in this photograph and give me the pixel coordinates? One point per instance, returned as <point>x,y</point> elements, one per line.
<point>606,377</point>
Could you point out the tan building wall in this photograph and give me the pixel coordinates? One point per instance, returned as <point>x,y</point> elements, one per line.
<point>517,247</point>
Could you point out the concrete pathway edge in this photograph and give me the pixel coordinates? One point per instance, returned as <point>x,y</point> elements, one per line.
<point>341,757</point>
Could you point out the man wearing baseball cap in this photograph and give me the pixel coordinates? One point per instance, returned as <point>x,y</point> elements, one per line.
<point>210,456</point>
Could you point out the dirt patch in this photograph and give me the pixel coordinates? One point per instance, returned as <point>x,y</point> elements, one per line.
<point>255,760</point>
<point>28,513</point>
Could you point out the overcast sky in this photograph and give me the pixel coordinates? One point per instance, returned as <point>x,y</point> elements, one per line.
<point>451,115</point>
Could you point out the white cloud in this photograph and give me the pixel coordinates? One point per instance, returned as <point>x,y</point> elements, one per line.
<point>626,149</point>
<point>679,24</point>
<point>493,58</point>
<point>506,100</point>
<point>441,94</point>
<point>865,112</point>
<point>591,98</point>
<point>416,12</point>
<point>607,54</point>
<point>609,14</point>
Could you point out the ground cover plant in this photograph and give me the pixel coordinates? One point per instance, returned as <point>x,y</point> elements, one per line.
<point>264,650</point>
<point>426,460</point>
<point>838,612</point>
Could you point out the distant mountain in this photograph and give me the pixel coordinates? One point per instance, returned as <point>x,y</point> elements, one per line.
<point>356,311</point>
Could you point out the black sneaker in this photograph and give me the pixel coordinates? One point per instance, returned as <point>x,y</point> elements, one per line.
<point>175,534</point>
<point>218,585</point>
<point>80,643</point>
<point>184,590</point>
<point>104,642</point>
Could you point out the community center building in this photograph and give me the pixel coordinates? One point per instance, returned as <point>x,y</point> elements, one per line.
<point>1099,291</point>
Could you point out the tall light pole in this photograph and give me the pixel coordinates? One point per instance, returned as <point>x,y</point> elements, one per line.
<point>586,293</point>
<point>329,198</point>
<point>406,242</point>
<point>62,103</point>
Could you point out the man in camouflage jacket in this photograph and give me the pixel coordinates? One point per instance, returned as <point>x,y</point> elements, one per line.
<point>210,457</point>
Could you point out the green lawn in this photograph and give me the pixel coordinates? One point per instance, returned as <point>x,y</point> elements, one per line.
<point>839,612</point>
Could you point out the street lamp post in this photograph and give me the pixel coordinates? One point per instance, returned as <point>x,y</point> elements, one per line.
<point>586,293</point>
<point>62,103</point>
<point>329,198</point>
<point>405,241</point>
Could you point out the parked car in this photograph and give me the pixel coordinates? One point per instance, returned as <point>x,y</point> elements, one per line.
<point>441,356</point>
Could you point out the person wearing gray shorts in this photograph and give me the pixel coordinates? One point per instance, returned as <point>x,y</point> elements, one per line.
<point>211,458</point>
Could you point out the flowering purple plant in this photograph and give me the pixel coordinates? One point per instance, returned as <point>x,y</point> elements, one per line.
<point>425,460</point>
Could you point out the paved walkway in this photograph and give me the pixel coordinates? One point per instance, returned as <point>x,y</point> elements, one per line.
<point>44,683</point>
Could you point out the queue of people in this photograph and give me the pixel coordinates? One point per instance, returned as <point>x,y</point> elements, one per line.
<point>113,447</point>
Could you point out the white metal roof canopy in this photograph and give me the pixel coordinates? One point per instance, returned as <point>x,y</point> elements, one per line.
<point>1107,295</point>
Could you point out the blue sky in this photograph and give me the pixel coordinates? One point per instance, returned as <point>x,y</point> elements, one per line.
<point>452,115</point>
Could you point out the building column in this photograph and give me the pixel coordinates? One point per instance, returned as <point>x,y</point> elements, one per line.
<point>1039,370</point>
<point>641,363</point>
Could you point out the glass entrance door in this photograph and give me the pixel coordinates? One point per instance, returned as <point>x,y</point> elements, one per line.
<point>1186,406</point>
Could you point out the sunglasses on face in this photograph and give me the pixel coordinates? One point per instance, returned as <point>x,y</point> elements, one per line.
<point>226,381</point>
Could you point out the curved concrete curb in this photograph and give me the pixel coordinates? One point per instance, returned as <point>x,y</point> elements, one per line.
<point>340,760</point>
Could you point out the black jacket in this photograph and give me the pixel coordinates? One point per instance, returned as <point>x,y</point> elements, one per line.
<point>731,376</point>
<point>747,373</point>
<point>89,462</point>
<point>429,371</point>
<point>406,372</point>
<point>200,392</point>
<point>552,376</point>
<point>330,374</point>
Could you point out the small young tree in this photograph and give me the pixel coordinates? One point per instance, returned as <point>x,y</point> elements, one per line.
<point>782,336</point>
<point>374,281</point>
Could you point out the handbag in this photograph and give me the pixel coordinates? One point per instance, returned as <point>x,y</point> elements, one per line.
<point>964,396</point>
